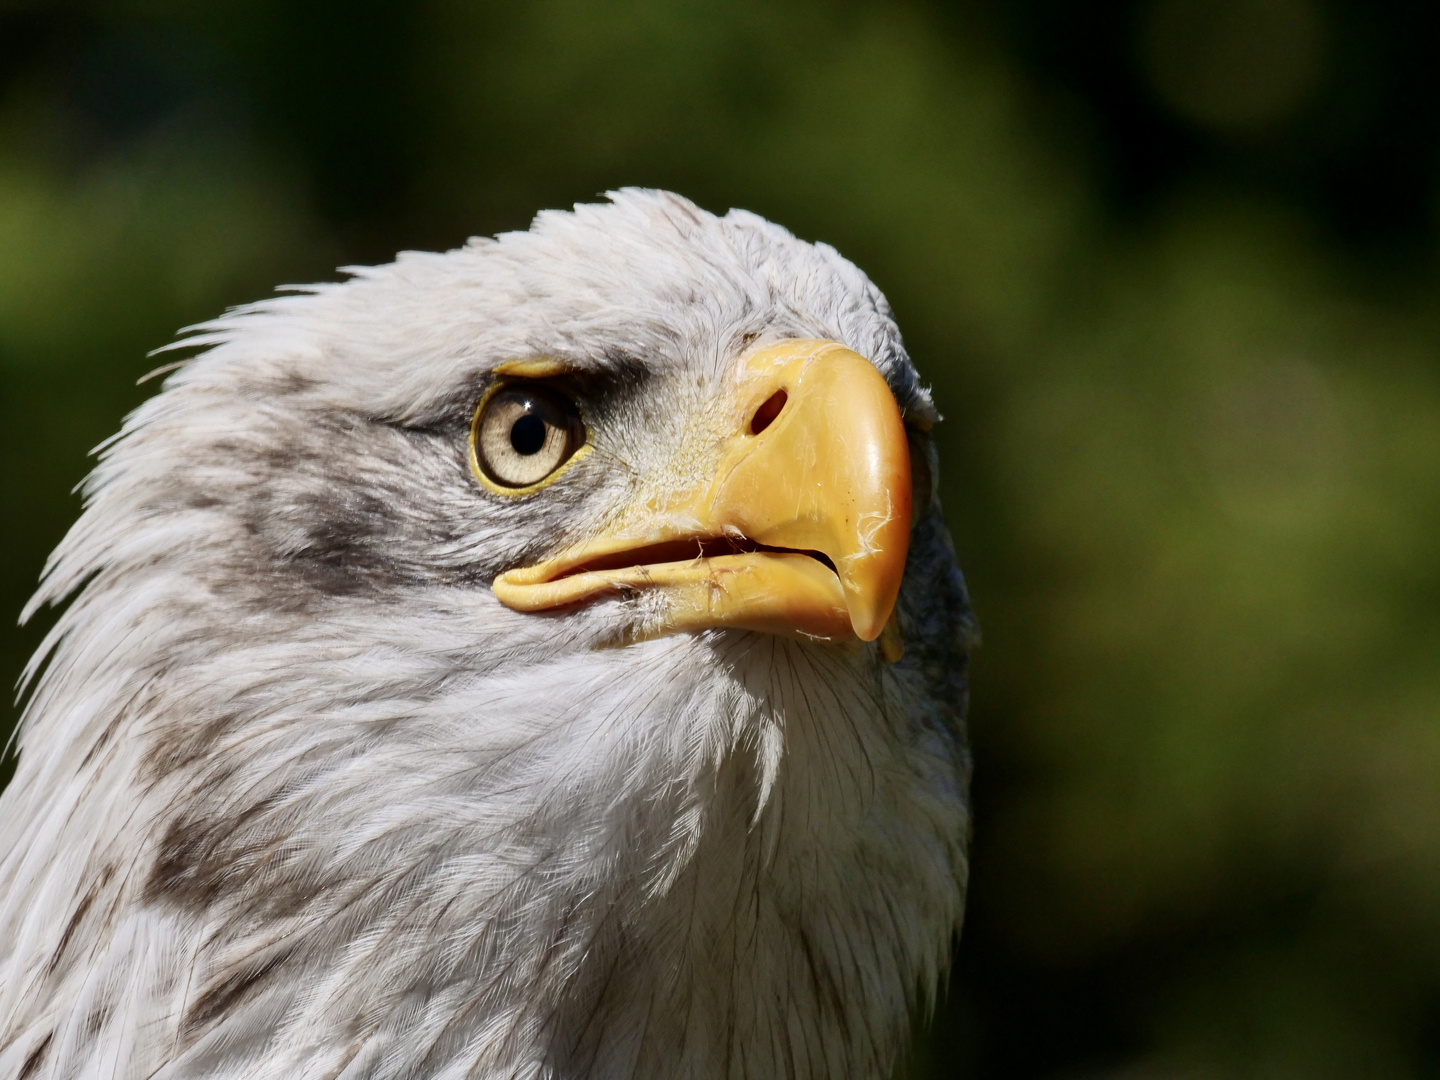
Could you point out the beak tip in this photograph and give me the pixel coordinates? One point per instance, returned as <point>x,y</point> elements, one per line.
<point>871,582</point>
<point>870,609</point>
<point>868,631</point>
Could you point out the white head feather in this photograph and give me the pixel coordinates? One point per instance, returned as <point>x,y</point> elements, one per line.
<point>298,798</point>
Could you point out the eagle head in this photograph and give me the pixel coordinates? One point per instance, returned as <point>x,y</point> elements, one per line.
<point>544,659</point>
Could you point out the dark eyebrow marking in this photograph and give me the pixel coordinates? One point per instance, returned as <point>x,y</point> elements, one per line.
<point>596,387</point>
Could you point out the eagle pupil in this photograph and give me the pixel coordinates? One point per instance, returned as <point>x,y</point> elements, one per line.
<point>527,435</point>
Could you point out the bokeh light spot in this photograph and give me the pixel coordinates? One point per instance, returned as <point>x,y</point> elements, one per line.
<point>1234,65</point>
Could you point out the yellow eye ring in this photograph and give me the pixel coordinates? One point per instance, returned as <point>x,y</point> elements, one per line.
<point>523,428</point>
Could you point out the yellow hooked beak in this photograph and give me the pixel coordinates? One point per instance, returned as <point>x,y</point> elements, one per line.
<point>803,530</point>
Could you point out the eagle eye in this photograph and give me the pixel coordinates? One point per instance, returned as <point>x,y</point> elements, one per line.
<point>523,432</point>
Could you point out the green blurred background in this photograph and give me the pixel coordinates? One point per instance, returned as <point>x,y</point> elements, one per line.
<point>1171,268</point>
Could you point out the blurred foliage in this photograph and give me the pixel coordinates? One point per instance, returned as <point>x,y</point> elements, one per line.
<point>1170,266</point>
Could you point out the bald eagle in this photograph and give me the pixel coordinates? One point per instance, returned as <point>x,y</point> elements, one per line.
<point>541,660</point>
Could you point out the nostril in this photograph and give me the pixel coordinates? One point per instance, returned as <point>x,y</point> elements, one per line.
<point>766,414</point>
